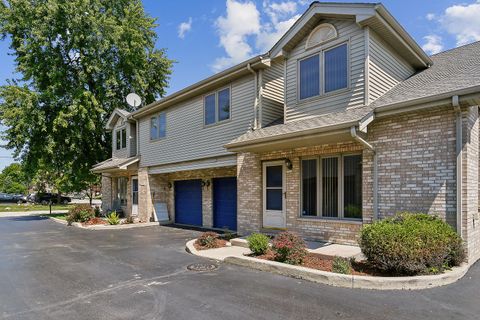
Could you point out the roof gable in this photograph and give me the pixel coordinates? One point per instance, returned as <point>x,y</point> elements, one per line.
<point>370,15</point>
<point>116,114</point>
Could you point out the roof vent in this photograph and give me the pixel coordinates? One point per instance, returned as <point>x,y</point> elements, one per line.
<point>321,34</point>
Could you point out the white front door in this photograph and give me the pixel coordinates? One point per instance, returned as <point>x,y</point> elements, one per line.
<point>274,195</point>
<point>134,196</point>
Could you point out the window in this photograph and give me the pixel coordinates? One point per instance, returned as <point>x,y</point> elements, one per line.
<point>124,138</point>
<point>337,192</point>
<point>333,69</point>
<point>118,140</point>
<point>217,106</point>
<point>122,190</point>
<point>310,77</point>
<point>158,126</point>
<point>210,114</point>
<point>321,34</point>
<point>336,68</point>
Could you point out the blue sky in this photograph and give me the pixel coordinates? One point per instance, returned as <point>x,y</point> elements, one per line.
<point>207,36</point>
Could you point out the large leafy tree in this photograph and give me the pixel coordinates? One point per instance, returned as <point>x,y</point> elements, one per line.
<point>13,179</point>
<point>78,59</point>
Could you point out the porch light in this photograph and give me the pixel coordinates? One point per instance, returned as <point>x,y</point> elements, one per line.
<point>288,164</point>
<point>170,185</point>
<point>205,183</point>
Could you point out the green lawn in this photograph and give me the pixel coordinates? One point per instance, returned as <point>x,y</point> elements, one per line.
<point>62,216</point>
<point>30,207</point>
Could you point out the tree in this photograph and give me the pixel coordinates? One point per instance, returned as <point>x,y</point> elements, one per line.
<point>13,179</point>
<point>78,60</point>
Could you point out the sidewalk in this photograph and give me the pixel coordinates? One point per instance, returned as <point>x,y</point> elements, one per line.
<point>29,213</point>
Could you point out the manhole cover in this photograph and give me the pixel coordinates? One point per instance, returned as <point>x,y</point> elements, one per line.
<point>202,267</point>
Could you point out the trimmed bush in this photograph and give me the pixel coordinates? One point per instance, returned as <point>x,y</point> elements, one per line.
<point>113,218</point>
<point>289,248</point>
<point>258,243</point>
<point>208,240</point>
<point>341,265</point>
<point>410,244</point>
<point>80,213</point>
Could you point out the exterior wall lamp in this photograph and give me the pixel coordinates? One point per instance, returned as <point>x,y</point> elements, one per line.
<point>288,164</point>
<point>170,185</point>
<point>205,183</point>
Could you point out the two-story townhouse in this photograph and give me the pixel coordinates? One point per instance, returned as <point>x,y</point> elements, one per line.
<point>344,121</point>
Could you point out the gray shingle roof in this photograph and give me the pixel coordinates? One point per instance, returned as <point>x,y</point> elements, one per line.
<point>452,70</point>
<point>112,163</point>
<point>345,117</point>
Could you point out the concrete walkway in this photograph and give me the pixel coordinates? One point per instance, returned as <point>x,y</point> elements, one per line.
<point>29,213</point>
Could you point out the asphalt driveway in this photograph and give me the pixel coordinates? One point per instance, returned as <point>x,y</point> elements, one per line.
<point>49,271</point>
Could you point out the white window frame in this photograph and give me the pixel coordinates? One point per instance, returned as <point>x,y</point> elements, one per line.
<point>320,51</point>
<point>119,130</point>
<point>319,214</point>
<point>217,121</point>
<point>157,117</point>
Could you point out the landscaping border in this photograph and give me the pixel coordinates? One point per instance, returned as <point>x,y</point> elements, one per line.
<point>105,227</point>
<point>338,279</point>
<point>352,281</point>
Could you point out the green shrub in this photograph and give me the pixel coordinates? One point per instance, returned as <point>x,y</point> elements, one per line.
<point>258,243</point>
<point>98,211</point>
<point>289,248</point>
<point>208,240</point>
<point>80,213</point>
<point>410,244</point>
<point>113,218</point>
<point>341,265</point>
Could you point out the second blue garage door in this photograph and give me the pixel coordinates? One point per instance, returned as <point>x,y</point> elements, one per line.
<point>188,202</point>
<point>225,203</point>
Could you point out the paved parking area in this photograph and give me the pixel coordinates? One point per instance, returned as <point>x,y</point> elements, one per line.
<point>50,271</point>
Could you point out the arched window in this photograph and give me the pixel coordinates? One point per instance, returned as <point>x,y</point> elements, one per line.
<point>320,34</point>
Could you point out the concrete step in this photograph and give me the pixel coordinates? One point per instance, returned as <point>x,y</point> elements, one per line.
<point>239,242</point>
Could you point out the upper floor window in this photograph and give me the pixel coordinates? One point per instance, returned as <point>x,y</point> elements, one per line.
<point>217,106</point>
<point>121,138</point>
<point>321,34</point>
<point>158,126</point>
<point>330,65</point>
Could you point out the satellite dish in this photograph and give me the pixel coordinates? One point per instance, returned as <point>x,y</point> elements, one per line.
<point>133,100</point>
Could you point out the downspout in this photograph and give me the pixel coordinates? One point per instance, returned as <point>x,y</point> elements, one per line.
<point>353,132</point>
<point>260,98</point>
<point>255,103</point>
<point>459,142</point>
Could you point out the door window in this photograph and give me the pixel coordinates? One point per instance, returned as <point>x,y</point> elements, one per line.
<point>274,187</point>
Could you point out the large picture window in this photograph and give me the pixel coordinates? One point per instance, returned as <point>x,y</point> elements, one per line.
<point>122,190</point>
<point>331,65</point>
<point>332,187</point>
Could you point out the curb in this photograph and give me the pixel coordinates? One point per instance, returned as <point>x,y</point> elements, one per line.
<point>352,281</point>
<point>105,227</point>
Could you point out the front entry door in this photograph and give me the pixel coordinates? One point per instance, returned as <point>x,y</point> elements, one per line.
<point>274,195</point>
<point>134,196</point>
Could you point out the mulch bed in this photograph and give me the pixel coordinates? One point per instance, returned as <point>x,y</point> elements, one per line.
<point>324,263</point>
<point>220,243</point>
<point>95,221</point>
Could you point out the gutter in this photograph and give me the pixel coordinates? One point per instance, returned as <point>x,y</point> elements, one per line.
<point>255,88</point>
<point>356,137</point>
<point>459,142</point>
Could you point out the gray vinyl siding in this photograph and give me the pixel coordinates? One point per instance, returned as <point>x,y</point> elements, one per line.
<point>187,138</point>
<point>273,93</point>
<point>386,68</point>
<point>349,31</point>
<point>122,153</point>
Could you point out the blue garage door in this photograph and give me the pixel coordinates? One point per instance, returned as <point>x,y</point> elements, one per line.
<point>225,203</point>
<point>188,202</point>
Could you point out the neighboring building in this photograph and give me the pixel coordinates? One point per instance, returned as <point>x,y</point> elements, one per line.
<point>344,121</point>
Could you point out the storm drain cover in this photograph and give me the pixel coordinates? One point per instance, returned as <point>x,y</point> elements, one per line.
<point>202,267</point>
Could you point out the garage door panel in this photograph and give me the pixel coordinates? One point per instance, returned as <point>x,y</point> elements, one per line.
<point>188,202</point>
<point>225,203</point>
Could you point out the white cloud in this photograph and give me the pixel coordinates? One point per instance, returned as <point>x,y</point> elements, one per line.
<point>433,44</point>
<point>463,22</point>
<point>184,27</point>
<point>430,16</point>
<point>243,33</point>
